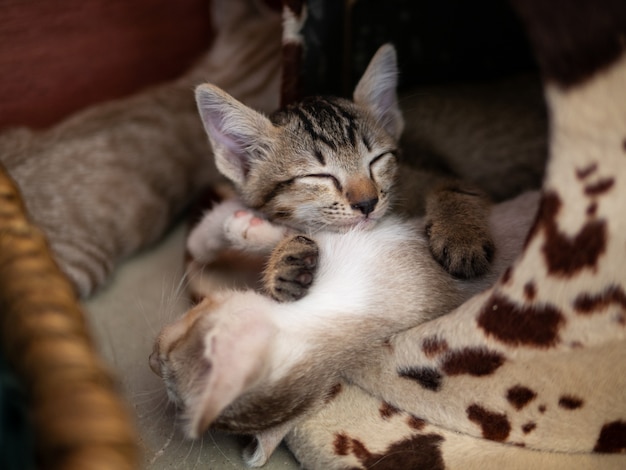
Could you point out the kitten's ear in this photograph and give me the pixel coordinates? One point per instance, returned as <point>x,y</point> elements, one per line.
<point>258,452</point>
<point>376,90</point>
<point>236,351</point>
<point>239,135</point>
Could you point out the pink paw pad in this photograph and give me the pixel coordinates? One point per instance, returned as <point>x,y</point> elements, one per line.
<point>254,221</point>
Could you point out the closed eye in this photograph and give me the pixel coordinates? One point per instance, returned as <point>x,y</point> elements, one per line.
<point>383,155</point>
<point>379,158</point>
<point>325,175</point>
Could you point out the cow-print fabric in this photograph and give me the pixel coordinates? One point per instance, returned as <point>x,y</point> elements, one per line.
<point>532,373</point>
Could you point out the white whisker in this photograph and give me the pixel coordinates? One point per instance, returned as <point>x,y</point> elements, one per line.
<point>163,448</point>
<point>199,454</point>
<point>221,451</point>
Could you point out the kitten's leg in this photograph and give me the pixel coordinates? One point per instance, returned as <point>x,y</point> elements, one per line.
<point>291,268</point>
<point>229,225</point>
<point>457,227</point>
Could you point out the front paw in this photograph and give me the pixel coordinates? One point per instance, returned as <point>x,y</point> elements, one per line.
<point>463,252</point>
<point>246,231</point>
<point>291,268</point>
<point>207,239</point>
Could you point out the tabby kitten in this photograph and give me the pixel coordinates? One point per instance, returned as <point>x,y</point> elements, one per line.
<point>328,163</point>
<point>248,363</point>
<point>243,362</point>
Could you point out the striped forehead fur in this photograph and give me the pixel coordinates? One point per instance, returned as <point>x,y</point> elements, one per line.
<point>330,120</point>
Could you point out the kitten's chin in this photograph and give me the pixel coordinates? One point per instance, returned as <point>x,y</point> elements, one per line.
<point>173,397</point>
<point>355,223</point>
<point>362,223</point>
<point>366,224</point>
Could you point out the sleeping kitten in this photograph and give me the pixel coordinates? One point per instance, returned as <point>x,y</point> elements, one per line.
<point>245,363</point>
<point>251,364</point>
<point>329,163</point>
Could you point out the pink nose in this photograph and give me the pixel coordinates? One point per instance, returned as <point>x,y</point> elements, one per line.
<point>155,364</point>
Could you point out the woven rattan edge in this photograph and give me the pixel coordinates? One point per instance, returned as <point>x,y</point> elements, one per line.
<point>79,418</point>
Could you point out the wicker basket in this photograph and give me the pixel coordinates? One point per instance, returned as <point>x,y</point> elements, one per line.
<point>79,419</point>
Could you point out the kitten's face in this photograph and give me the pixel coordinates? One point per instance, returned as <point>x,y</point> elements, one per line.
<point>178,357</point>
<point>329,167</point>
<point>324,163</point>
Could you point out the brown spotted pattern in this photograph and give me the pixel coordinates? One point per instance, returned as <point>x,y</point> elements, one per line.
<point>612,438</point>
<point>592,209</point>
<point>345,445</point>
<point>433,346</point>
<point>428,377</point>
<point>530,291</point>
<point>341,444</point>
<point>387,411</point>
<point>494,426</point>
<point>419,451</point>
<point>565,255</point>
<point>600,187</point>
<point>416,423</point>
<point>527,325</point>
<point>587,303</point>
<point>583,173</point>
<point>520,396</point>
<point>570,402</point>
<point>477,361</point>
